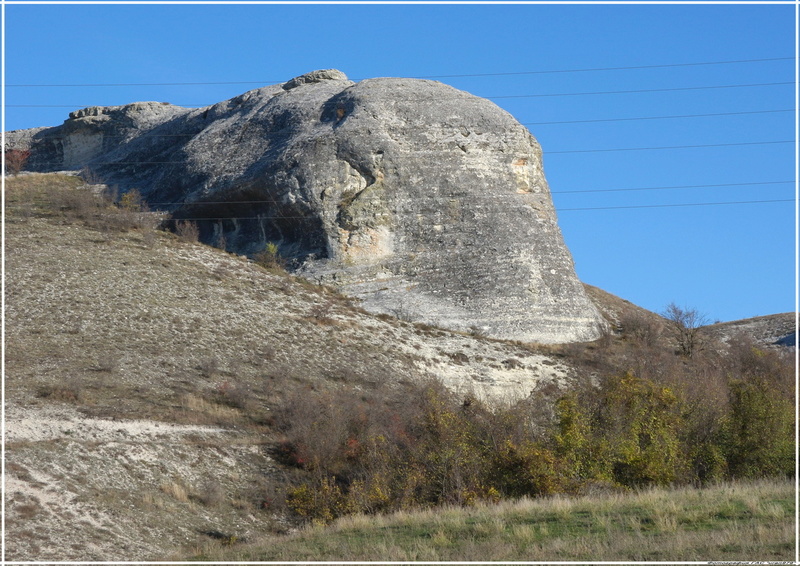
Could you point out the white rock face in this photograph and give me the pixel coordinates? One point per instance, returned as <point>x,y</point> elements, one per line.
<point>424,201</point>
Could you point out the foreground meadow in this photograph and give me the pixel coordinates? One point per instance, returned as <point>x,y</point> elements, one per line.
<point>745,521</point>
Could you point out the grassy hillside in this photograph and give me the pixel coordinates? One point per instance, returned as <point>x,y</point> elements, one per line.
<point>162,395</point>
<point>144,372</point>
<point>739,522</point>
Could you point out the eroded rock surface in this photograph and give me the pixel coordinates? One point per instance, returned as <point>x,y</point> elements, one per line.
<point>424,201</point>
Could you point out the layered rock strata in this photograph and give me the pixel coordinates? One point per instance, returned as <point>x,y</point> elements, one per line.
<point>424,201</point>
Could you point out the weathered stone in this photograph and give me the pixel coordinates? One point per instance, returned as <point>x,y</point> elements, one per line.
<point>314,77</point>
<point>422,200</point>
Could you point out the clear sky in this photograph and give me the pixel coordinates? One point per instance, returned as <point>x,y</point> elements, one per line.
<point>565,71</point>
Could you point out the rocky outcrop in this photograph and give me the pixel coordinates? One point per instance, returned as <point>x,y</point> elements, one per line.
<point>422,200</point>
<point>774,330</point>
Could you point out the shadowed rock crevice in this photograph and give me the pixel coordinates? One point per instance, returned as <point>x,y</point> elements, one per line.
<point>422,200</point>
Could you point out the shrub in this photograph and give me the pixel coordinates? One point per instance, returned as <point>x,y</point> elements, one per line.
<point>132,200</point>
<point>187,231</point>
<point>758,436</point>
<point>80,204</point>
<point>639,422</point>
<point>270,257</point>
<point>208,367</point>
<point>210,494</point>
<point>424,446</point>
<point>235,394</point>
<point>322,503</point>
<point>526,470</point>
<point>572,440</point>
<point>16,159</point>
<point>708,462</point>
<point>641,329</point>
<point>627,432</point>
<point>71,391</point>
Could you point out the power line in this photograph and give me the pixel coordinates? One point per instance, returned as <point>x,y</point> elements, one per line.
<point>671,187</point>
<point>674,205</point>
<point>607,68</point>
<point>496,97</point>
<point>309,218</point>
<point>547,153</point>
<point>657,117</point>
<point>272,201</point>
<point>595,120</point>
<point>467,75</point>
<point>558,210</point>
<point>148,135</point>
<point>674,89</point>
<point>667,147</point>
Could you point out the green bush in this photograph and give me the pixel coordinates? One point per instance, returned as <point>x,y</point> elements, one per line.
<point>572,440</point>
<point>759,434</point>
<point>525,470</point>
<point>640,422</point>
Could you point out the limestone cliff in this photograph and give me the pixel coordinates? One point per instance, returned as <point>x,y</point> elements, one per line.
<point>422,200</point>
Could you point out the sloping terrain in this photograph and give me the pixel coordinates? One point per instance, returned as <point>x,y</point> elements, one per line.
<point>618,311</point>
<point>142,370</point>
<point>770,330</point>
<point>144,373</point>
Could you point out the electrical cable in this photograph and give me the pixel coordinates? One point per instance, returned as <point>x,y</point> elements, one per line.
<point>547,153</point>
<point>496,97</point>
<point>674,205</point>
<point>631,119</point>
<point>558,210</point>
<point>670,187</point>
<point>466,75</point>
<point>667,147</point>
<point>656,117</point>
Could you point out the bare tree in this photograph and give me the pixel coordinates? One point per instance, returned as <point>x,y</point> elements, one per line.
<point>685,325</point>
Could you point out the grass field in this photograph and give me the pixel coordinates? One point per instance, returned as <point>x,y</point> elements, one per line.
<point>732,522</point>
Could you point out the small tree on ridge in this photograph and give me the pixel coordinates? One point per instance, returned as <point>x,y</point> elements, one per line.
<point>685,325</point>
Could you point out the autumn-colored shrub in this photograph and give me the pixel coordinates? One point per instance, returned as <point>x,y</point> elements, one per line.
<point>713,416</point>
<point>322,503</point>
<point>423,448</point>
<point>270,257</point>
<point>132,201</point>
<point>16,159</point>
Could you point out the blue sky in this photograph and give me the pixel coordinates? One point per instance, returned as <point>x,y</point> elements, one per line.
<point>536,61</point>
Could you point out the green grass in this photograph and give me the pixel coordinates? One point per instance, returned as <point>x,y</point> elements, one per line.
<point>734,522</point>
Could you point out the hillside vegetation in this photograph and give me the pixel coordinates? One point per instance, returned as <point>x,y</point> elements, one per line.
<point>163,394</point>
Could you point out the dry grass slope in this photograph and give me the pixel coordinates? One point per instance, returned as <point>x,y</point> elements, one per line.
<point>144,373</point>
<point>143,370</point>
